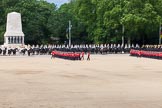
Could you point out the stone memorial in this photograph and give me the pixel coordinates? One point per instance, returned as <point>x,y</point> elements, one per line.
<point>14,35</point>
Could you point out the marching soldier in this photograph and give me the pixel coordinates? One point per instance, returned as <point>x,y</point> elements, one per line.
<point>82,56</point>
<point>88,57</point>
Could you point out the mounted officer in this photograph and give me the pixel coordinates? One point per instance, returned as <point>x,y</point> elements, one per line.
<point>9,51</point>
<point>4,50</point>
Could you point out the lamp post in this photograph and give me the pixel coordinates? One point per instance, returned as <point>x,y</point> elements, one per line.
<point>123,35</point>
<point>160,34</point>
<point>70,33</point>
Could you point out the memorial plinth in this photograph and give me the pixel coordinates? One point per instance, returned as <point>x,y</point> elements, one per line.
<point>14,35</point>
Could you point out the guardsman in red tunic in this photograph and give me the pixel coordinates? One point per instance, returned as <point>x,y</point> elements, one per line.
<point>88,57</point>
<point>139,53</point>
<point>82,56</point>
<point>53,54</point>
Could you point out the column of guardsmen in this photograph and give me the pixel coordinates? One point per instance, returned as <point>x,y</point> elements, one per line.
<point>147,51</point>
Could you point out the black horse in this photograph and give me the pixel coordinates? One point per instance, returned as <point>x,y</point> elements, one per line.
<point>0,51</point>
<point>4,51</point>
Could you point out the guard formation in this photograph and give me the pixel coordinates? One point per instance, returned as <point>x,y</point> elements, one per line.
<point>147,51</point>
<point>66,55</point>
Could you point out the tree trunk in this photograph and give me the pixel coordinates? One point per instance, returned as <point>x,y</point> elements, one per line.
<point>129,41</point>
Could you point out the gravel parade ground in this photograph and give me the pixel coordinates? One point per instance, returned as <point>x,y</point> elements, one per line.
<point>106,81</point>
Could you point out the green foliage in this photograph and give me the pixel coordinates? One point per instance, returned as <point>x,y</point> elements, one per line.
<point>93,21</point>
<point>105,19</point>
